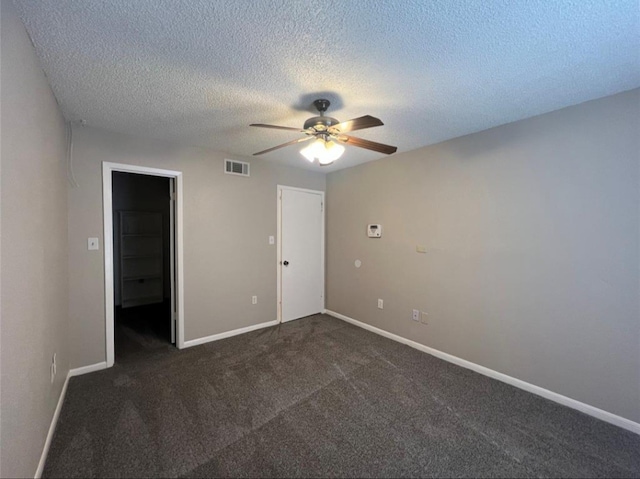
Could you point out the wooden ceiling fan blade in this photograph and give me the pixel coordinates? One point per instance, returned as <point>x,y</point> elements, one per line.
<point>368,144</point>
<point>361,123</point>
<point>292,142</point>
<point>276,127</point>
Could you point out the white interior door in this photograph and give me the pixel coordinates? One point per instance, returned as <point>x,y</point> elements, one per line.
<point>302,256</point>
<point>172,255</point>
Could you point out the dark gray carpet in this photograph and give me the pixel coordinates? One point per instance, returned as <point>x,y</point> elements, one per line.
<point>318,397</point>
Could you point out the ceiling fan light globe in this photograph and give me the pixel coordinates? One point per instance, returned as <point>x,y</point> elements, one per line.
<point>314,151</point>
<point>326,152</point>
<point>332,151</point>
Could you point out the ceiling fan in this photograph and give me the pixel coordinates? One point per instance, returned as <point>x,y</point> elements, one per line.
<point>329,135</point>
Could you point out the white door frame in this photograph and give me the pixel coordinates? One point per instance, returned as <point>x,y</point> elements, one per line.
<point>107,205</point>
<point>172,257</point>
<point>279,245</point>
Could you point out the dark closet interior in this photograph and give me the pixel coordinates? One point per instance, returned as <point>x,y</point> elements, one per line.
<point>141,256</point>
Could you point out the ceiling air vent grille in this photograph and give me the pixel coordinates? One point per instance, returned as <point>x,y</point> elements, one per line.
<point>232,167</point>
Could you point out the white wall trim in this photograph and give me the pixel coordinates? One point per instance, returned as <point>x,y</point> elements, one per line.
<point>279,244</point>
<point>545,393</point>
<point>228,334</point>
<point>107,206</point>
<point>88,369</point>
<point>52,429</point>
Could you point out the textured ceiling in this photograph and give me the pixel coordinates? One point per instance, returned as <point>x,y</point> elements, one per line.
<point>199,72</point>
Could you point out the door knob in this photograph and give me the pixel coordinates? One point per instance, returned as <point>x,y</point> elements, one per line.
<point>286,263</point>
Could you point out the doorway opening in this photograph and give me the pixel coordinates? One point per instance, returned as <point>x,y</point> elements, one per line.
<point>143,260</point>
<point>142,237</point>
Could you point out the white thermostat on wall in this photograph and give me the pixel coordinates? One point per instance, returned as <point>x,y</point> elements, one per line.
<point>374,231</point>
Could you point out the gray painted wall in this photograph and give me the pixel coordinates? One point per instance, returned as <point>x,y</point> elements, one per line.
<point>532,236</point>
<point>227,222</point>
<point>34,297</point>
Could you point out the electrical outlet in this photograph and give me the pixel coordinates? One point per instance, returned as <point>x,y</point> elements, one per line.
<point>416,315</point>
<point>424,318</point>
<point>380,304</point>
<point>93,244</point>
<point>254,300</point>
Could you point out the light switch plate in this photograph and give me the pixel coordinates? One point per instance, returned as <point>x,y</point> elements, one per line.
<point>272,240</point>
<point>92,244</point>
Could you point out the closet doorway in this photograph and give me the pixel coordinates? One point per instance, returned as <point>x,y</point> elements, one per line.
<point>142,261</point>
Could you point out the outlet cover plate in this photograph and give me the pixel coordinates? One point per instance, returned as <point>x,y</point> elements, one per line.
<point>93,244</point>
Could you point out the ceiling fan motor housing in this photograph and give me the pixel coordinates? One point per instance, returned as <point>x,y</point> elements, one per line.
<point>320,123</point>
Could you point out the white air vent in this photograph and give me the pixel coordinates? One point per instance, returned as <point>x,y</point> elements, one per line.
<point>232,167</point>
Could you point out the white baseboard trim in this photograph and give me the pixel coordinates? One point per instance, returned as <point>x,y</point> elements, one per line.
<point>545,393</point>
<point>228,334</point>
<point>56,415</point>
<point>88,369</point>
<point>52,428</point>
